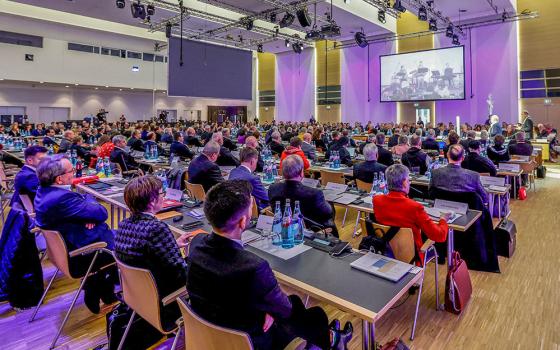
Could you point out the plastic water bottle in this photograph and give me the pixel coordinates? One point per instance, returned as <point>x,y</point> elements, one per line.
<point>297,225</point>
<point>375,184</point>
<point>99,165</point>
<point>273,168</point>
<point>163,178</point>
<point>79,168</point>
<point>383,184</point>
<point>50,150</point>
<point>287,234</point>
<point>107,167</point>
<point>336,160</point>
<point>331,160</point>
<point>154,152</point>
<point>277,225</point>
<point>74,157</point>
<point>147,152</point>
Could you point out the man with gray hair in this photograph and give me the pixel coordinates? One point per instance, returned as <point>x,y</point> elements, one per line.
<point>314,207</point>
<point>396,209</point>
<point>203,169</point>
<point>276,145</point>
<point>307,148</point>
<point>80,220</point>
<point>430,142</point>
<point>415,159</point>
<point>226,158</point>
<point>66,143</point>
<point>495,126</point>
<point>121,157</point>
<point>365,171</point>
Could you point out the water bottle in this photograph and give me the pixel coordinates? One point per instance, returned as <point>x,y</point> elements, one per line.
<point>331,160</point>
<point>274,169</point>
<point>2,138</point>
<point>74,158</point>
<point>156,154</point>
<point>375,184</point>
<point>163,178</point>
<point>147,152</point>
<point>336,160</point>
<point>50,150</point>
<point>99,165</point>
<point>107,167</point>
<point>287,234</point>
<point>297,225</point>
<point>277,225</point>
<point>79,168</point>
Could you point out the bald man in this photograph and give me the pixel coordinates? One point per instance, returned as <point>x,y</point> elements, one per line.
<point>307,148</point>
<point>191,139</point>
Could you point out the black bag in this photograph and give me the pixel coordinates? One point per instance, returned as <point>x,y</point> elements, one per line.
<point>506,238</point>
<point>541,171</point>
<point>141,335</point>
<point>376,241</point>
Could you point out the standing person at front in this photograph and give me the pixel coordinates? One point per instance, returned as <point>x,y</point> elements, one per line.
<point>235,288</point>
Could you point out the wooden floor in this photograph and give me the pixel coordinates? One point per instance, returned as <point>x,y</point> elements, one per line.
<point>517,309</point>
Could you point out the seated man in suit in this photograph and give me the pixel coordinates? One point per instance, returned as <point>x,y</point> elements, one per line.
<point>520,147</point>
<point>226,158</point>
<point>207,134</point>
<point>396,209</point>
<point>135,143</point>
<point>384,156</point>
<point>26,181</point>
<point>313,203</point>
<point>234,288</point>
<point>295,149</point>
<point>475,162</point>
<point>249,157</point>
<point>203,169</point>
<point>365,171</point>
<point>120,156</point>
<point>49,140</point>
<point>471,135</point>
<point>415,159</point>
<point>370,139</point>
<point>453,178</point>
<point>339,145</point>
<point>178,148</point>
<point>228,143</point>
<point>307,148</point>
<point>276,145</point>
<point>80,219</point>
<point>497,152</point>
<point>66,143</point>
<point>251,142</point>
<point>430,143</point>
<point>191,139</point>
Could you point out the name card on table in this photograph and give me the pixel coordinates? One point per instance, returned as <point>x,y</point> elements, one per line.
<point>492,181</point>
<point>310,182</point>
<point>456,207</point>
<point>264,222</point>
<point>173,194</point>
<point>334,187</point>
<point>520,158</point>
<point>508,167</point>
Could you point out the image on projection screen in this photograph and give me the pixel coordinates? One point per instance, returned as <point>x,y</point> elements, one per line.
<point>424,75</point>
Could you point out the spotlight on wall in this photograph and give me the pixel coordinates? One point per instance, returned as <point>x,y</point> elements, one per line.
<point>361,39</point>
<point>433,25</point>
<point>138,10</point>
<point>260,48</point>
<point>120,4</point>
<point>381,16</point>
<point>455,40</point>
<point>399,6</point>
<point>449,32</point>
<point>168,27</point>
<point>422,13</point>
<point>287,43</point>
<point>297,47</point>
<point>287,20</point>
<point>150,10</point>
<point>249,24</point>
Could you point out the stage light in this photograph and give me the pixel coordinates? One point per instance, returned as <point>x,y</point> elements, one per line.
<point>168,27</point>
<point>260,48</point>
<point>150,10</point>
<point>138,10</point>
<point>361,39</point>
<point>381,16</point>
<point>287,20</point>
<point>399,6</point>
<point>287,43</point>
<point>273,17</point>
<point>449,32</point>
<point>456,40</point>
<point>297,47</point>
<point>422,13</point>
<point>303,17</point>
<point>120,4</point>
<point>249,24</point>
<point>433,25</point>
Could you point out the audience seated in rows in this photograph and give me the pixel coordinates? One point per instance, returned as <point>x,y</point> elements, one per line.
<point>497,153</point>
<point>120,156</point>
<point>276,145</point>
<point>135,143</point>
<point>178,148</point>
<point>225,157</point>
<point>384,156</point>
<point>308,149</point>
<point>339,145</point>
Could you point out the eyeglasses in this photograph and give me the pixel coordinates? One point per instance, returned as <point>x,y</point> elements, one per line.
<point>162,193</point>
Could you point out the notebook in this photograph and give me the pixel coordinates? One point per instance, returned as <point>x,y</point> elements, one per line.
<point>382,266</point>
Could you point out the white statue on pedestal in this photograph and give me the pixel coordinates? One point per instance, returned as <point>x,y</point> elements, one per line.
<point>490,102</point>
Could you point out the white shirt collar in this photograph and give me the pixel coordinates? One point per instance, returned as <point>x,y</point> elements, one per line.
<point>246,167</point>
<point>64,187</point>
<point>31,167</point>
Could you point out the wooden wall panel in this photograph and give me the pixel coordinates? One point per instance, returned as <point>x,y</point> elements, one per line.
<point>267,67</point>
<point>332,115</point>
<point>266,115</point>
<point>332,62</point>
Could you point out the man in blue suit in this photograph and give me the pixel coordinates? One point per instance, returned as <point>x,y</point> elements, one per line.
<point>26,181</point>
<point>249,158</point>
<point>178,148</point>
<point>80,219</point>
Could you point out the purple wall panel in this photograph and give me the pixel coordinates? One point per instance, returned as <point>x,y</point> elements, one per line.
<point>494,71</point>
<point>295,86</point>
<point>356,105</point>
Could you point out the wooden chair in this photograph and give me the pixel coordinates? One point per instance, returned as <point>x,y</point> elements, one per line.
<point>141,295</point>
<point>403,248</point>
<point>59,256</point>
<point>131,173</point>
<point>27,205</point>
<point>484,174</point>
<point>201,334</point>
<point>255,211</point>
<point>529,169</point>
<point>196,191</point>
<point>334,177</point>
<point>362,186</point>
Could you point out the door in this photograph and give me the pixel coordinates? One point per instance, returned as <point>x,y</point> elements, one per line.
<point>424,115</point>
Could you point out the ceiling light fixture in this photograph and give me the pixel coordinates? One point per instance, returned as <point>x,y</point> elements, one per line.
<point>433,25</point>
<point>260,48</point>
<point>399,6</point>
<point>150,10</point>
<point>120,4</point>
<point>168,27</point>
<point>287,43</point>
<point>361,39</point>
<point>297,47</point>
<point>138,10</point>
<point>287,20</point>
<point>449,31</point>
<point>381,16</point>
<point>455,40</point>
<point>422,13</point>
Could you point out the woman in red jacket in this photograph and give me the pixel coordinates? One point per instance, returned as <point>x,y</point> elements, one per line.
<point>295,148</point>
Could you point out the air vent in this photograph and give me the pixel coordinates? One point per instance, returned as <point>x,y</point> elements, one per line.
<point>21,39</point>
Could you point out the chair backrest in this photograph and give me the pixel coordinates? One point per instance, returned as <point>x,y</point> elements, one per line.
<point>3,179</point>
<point>201,334</point>
<point>27,204</point>
<point>140,293</point>
<point>57,251</point>
<point>331,176</point>
<point>402,243</point>
<point>255,212</point>
<point>363,186</point>
<point>528,167</point>
<point>484,174</point>
<point>196,190</point>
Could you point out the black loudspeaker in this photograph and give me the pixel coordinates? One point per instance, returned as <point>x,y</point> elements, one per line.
<point>303,17</point>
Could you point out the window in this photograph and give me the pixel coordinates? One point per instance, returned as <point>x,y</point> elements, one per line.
<point>110,52</point>
<point>148,57</point>
<point>135,55</point>
<point>83,48</point>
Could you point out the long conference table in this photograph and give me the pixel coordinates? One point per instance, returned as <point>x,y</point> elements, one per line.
<point>314,272</point>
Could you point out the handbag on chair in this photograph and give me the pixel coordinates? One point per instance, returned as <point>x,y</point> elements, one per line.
<point>458,287</point>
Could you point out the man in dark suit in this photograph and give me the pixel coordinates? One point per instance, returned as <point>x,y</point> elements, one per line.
<point>276,145</point>
<point>234,288</point>
<point>178,148</point>
<point>228,143</point>
<point>206,135</point>
<point>475,162</point>
<point>249,157</point>
<point>527,126</point>
<point>471,135</point>
<point>339,145</point>
<point>251,141</point>
<point>430,143</point>
<point>364,171</point>
<point>313,203</point>
<point>135,143</point>
<point>49,140</point>
<point>191,139</point>
<point>453,178</point>
<point>80,220</point>
<point>520,147</point>
<point>66,143</point>
<point>226,158</point>
<point>203,169</point>
<point>26,181</point>
<point>370,139</point>
<point>121,157</point>
<point>394,139</point>
<point>384,156</point>
<point>415,159</point>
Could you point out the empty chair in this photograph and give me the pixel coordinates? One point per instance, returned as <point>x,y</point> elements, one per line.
<point>196,191</point>
<point>334,177</point>
<point>362,186</point>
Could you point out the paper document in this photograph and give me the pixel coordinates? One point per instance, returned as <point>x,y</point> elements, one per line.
<point>436,214</point>
<point>310,182</point>
<point>334,187</point>
<point>250,236</point>
<point>346,198</point>
<point>264,222</point>
<point>330,196</point>
<point>452,206</point>
<point>498,188</point>
<point>382,266</point>
<point>266,246</point>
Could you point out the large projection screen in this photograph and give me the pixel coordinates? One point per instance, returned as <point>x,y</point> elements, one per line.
<point>424,75</point>
<point>209,71</point>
